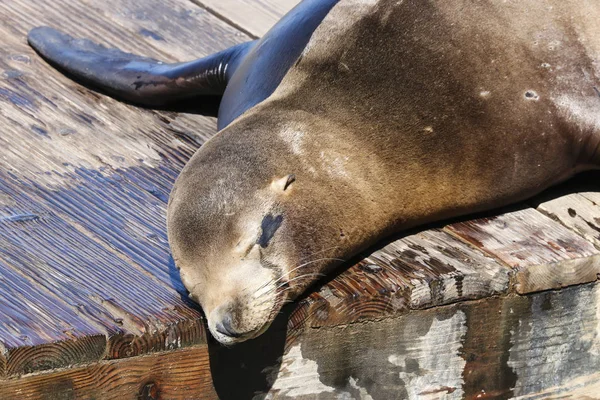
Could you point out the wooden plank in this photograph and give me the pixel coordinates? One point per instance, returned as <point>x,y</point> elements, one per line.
<point>50,356</point>
<point>26,320</point>
<point>543,345</point>
<point>577,212</point>
<point>95,175</point>
<point>538,346</point>
<point>40,331</point>
<point>183,374</point>
<point>575,205</point>
<point>544,254</point>
<point>255,17</point>
<point>85,181</point>
<point>426,269</point>
<point>583,388</point>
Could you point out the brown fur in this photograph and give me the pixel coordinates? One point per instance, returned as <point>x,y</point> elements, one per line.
<point>398,113</point>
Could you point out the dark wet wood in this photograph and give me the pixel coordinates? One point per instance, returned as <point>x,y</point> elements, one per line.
<point>86,275</point>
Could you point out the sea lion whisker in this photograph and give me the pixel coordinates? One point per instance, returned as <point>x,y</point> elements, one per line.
<point>294,269</point>
<point>311,262</point>
<point>285,286</point>
<point>319,252</point>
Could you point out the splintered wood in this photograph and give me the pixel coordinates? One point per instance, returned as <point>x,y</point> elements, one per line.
<point>501,306</point>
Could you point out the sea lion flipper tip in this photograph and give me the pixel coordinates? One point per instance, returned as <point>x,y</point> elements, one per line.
<point>131,77</point>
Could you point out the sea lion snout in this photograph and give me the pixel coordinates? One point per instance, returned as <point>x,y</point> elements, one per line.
<point>244,313</point>
<point>233,323</point>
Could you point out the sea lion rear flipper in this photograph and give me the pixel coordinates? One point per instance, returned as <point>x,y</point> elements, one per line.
<point>135,78</point>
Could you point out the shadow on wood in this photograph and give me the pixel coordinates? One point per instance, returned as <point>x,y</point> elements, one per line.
<point>248,368</point>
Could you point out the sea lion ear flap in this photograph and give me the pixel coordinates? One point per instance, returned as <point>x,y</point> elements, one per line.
<point>282,184</point>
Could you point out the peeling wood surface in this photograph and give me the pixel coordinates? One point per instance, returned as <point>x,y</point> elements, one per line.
<point>543,253</point>
<point>426,269</point>
<point>86,275</point>
<point>576,212</point>
<point>540,346</point>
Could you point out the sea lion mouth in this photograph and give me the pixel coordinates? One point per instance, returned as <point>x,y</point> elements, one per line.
<point>227,335</point>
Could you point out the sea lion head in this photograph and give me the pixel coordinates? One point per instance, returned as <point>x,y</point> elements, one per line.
<point>249,232</point>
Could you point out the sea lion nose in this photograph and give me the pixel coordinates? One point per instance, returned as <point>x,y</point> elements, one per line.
<point>224,327</point>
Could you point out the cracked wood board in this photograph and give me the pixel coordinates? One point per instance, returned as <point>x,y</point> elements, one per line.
<point>145,173</point>
<point>543,253</point>
<point>577,208</point>
<point>537,346</point>
<point>577,212</point>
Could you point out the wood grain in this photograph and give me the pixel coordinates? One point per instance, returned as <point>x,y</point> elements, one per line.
<point>28,359</point>
<point>84,186</point>
<point>426,269</point>
<point>543,345</point>
<point>544,254</point>
<point>182,374</point>
<point>86,274</point>
<point>576,212</point>
<point>255,17</point>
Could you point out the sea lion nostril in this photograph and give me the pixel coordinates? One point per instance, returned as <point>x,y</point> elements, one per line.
<point>224,327</point>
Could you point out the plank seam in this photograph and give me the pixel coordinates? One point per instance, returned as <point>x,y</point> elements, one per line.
<point>223,18</point>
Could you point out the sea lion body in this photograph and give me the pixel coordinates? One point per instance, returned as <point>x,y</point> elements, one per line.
<point>395,114</point>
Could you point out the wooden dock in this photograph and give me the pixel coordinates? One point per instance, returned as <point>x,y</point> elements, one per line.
<point>91,306</point>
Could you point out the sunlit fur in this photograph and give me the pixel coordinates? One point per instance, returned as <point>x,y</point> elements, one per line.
<point>397,114</point>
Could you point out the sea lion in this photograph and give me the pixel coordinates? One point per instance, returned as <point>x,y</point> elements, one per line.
<point>354,119</point>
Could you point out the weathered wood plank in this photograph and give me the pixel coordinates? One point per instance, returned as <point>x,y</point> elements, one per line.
<point>543,253</point>
<point>536,346</point>
<point>253,16</point>
<point>39,330</point>
<point>2,361</point>
<point>425,269</point>
<point>26,320</point>
<point>94,175</point>
<point>49,356</point>
<point>583,388</point>
<point>576,212</point>
<point>182,374</point>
